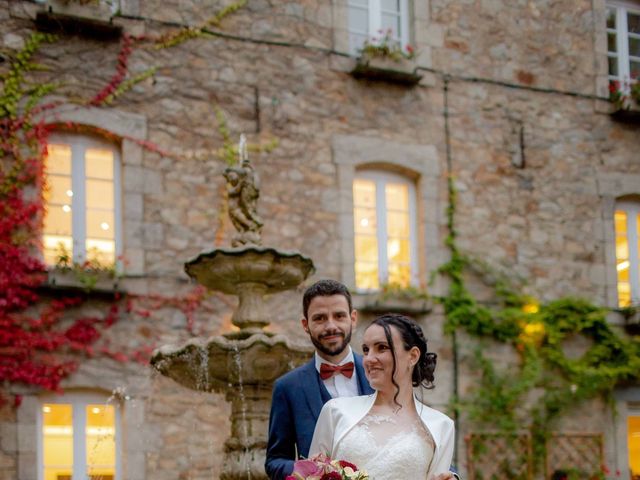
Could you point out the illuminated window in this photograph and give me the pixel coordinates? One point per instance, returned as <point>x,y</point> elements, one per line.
<point>367,18</point>
<point>627,227</point>
<point>79,439</point>
<point>633,442</point>
<point>384,230</point>
<point>623,40</point>
<point>82,201</point>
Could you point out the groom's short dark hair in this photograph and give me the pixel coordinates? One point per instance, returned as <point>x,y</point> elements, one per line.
<point>324,288</point>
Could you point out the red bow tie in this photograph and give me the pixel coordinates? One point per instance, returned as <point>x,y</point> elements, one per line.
<point>328,371</point>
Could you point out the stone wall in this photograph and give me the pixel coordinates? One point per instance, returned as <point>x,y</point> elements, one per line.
<point>537,160</point>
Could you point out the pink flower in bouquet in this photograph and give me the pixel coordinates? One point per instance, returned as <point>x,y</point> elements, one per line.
<point>321,467</point>
<point>306,469</point>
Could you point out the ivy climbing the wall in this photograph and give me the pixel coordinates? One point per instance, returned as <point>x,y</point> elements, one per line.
<point>538,332</point>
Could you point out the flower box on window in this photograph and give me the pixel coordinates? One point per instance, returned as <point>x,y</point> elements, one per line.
<point>627,115</point>
<point>402,71</point>
<point>102,10</point>
<point>411,302</point>
<point>73,280</point>
<point>625,98</point>
<point>385,58</point>
<point>89,18</point>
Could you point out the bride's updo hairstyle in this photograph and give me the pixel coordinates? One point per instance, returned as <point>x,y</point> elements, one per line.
<point>412,336</point>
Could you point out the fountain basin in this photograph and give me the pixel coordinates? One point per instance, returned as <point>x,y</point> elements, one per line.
<point>220,363</point>
<point>250,273</point>
<point>224,269</point>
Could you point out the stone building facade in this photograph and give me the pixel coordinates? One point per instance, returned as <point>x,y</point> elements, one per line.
<point>508,98</point>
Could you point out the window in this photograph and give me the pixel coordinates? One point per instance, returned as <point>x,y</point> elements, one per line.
<point>367,18</point>
<point>79,438</point>
<point>633,442</point>
<point>82,219</point>
<point>384,230</point>
<point>627,228</point>
<point>623,40</point>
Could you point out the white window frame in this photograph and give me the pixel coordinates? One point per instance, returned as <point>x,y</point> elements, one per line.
<point>622,44</point>
<point>374,11</point>
<point>632,210</point>
<point>381,178</point>
<point>78,401</point>
<point>79,144</point>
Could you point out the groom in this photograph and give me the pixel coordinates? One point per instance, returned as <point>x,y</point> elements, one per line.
<point>334,371</point>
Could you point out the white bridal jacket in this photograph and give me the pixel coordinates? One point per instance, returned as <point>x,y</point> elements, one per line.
<point>340,415</point>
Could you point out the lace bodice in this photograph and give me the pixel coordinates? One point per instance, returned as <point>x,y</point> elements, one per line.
<point>387,448</point>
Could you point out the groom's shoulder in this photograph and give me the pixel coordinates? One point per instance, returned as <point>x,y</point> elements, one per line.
<point>295,376</point>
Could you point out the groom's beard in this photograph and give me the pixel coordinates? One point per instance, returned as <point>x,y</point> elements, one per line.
<point>337,350</point>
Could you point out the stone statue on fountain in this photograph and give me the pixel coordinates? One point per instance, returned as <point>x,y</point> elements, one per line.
<point>243,191</point>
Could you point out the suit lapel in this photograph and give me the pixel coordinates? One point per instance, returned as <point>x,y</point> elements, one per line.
<point>363,384</point>
<point>313,389</point>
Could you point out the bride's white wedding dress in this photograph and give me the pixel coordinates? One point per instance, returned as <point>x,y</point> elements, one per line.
<point>388,448</point>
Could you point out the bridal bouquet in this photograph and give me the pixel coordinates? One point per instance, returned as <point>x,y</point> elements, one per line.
<point>322,467</point>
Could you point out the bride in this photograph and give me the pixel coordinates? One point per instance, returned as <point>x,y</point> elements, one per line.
<point>390,434</point>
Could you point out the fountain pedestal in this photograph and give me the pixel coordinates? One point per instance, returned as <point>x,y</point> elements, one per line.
<point>242,364</point>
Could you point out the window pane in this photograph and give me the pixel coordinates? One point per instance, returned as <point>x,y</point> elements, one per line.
<point>633,442</point>
<point>620,220</point>
<point>397,196</point>
<point>356,42</point>
<point>366,249</point>
<point>391,22</point>
<point>58,190</point>
<point>100,224</point>
<point>57,440</point>
<point>365,220</point>
<point>57,221</point>
<point>611,18</point>
<point>57,248</point>
<point>367,276</point>
<point>398,250</point>
<point>100,441</point>
<point>611,42</point>
<point>399,274</point>
<point>634,68</point>
<point>633,22</point>
<point>624,294</point>
<point>99,194</point>
<point>364,193</point>
<point>101,251</point>
<point>634,47</point>
<point>622,249</point>
<point>391,5</point>
<point>358,20</point>
<point>362,3</point>
<point>613,66</point>
<point>99,163</point>
<point>622,258</point>
<point>58,159</point>
<point>398,224</point>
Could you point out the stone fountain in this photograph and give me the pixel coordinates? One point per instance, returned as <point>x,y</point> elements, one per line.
<point>242,364</point>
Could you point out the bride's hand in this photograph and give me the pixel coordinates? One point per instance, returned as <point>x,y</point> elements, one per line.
<point>443,476</point>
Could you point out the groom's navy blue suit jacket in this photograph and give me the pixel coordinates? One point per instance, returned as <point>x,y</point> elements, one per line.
<point>297,400</point>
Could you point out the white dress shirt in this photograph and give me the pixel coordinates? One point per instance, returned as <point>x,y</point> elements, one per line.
<point>339,385</point>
